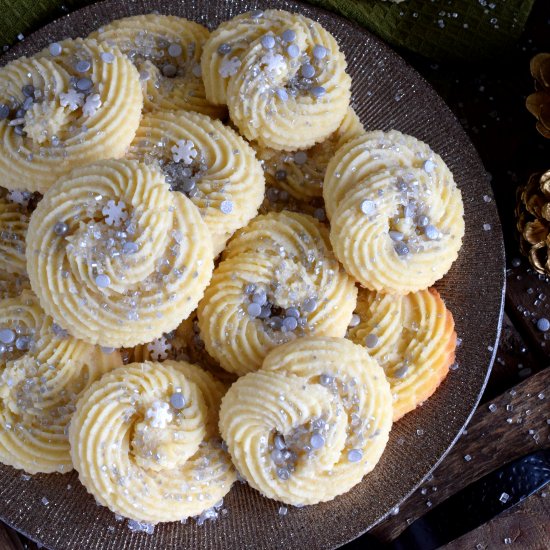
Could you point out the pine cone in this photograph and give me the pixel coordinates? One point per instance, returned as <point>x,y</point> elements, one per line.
<point>538,103</point>
<point>533,220</point>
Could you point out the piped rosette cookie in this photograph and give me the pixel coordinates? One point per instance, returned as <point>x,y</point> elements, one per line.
<point>282,76</point>
<point>209,163</point>
<point>294,180</point>
<point>183,344</point>
<point>278,281</point>
<point>115,257</point>
<point>42,372</point>
<point>396,213</point>
<point>311,423</point>
<point>412,337</point>
<point>74,103</point>
<point>144,440</point>
<point>166,51</point>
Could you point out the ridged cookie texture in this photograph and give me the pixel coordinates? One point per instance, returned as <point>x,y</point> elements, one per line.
<point>81,105</point>
<point>42,372</point>
<point>115,257</point>
<point>183,344</point>
<point>207,161</point>
<point>144,440</point>
<point>14,223</point>
<point>282,76</point>
<point>412,337</point>
<point>300,174</point>
<point>166,51</point>
<point>278,281</point>
<point>397,217</point>
<point>12,285</point>
<point>311,423</point>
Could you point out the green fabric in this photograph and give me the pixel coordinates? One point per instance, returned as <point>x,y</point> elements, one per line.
<point>441,29</point>
<point>480,29</point>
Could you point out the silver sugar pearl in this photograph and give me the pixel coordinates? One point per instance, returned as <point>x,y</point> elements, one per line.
<point>317,441</point>
<point>355,455</point>
<point>289,35</point>
<point>300,157</point>
<point>319,52</point>
<point>268,41</point>
<point>169,70</point>
<point>293,51</point>
<point>177,400</point>
<point>82,66</point>
<point>431,232</point>
<point>102,280</point>
<point>7,336</point>
<point>84,84</point>
<point>318,91</point>
<point>107,57</point>
<point>55,49</point>
<point>174,50</point>
<point>308,70</point>
<point>60,228</point>
<point>422,221</point>
<point>371,340</point>
<point>254,310</point>
<point>290,323</point>
<point>396,235</point>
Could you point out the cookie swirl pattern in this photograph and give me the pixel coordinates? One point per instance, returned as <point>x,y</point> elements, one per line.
<point>42,372</point>
<point>412,337</point>
<point>208,162</point>
<point>282,76</point>
<point>14,222</point>
<point>278,281</point>
<point>311,423</point>
<point>396,213</point>
<point>145,443</point>
<point>81,105</point>
<point>115,257</point>
<point>166,51</point>
<point>300,174</point>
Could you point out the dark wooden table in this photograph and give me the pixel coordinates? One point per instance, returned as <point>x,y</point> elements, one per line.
<point>489,101</point>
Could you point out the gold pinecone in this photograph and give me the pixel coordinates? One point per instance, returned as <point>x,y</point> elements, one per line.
<point>538,103</point>
<point>533,220</point>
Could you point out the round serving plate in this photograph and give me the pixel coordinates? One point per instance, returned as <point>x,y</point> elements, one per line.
<point>56,511</point>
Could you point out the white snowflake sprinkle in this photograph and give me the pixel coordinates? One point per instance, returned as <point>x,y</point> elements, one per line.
<point>114,212</point>
<point>229,67</point>
<point>184,150</point>
<point>92,104</point>
<point>19,196</point>
<point>158,349</point>
<point>159,414</point>
<point>71,99</point>
<point>274,63</point>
